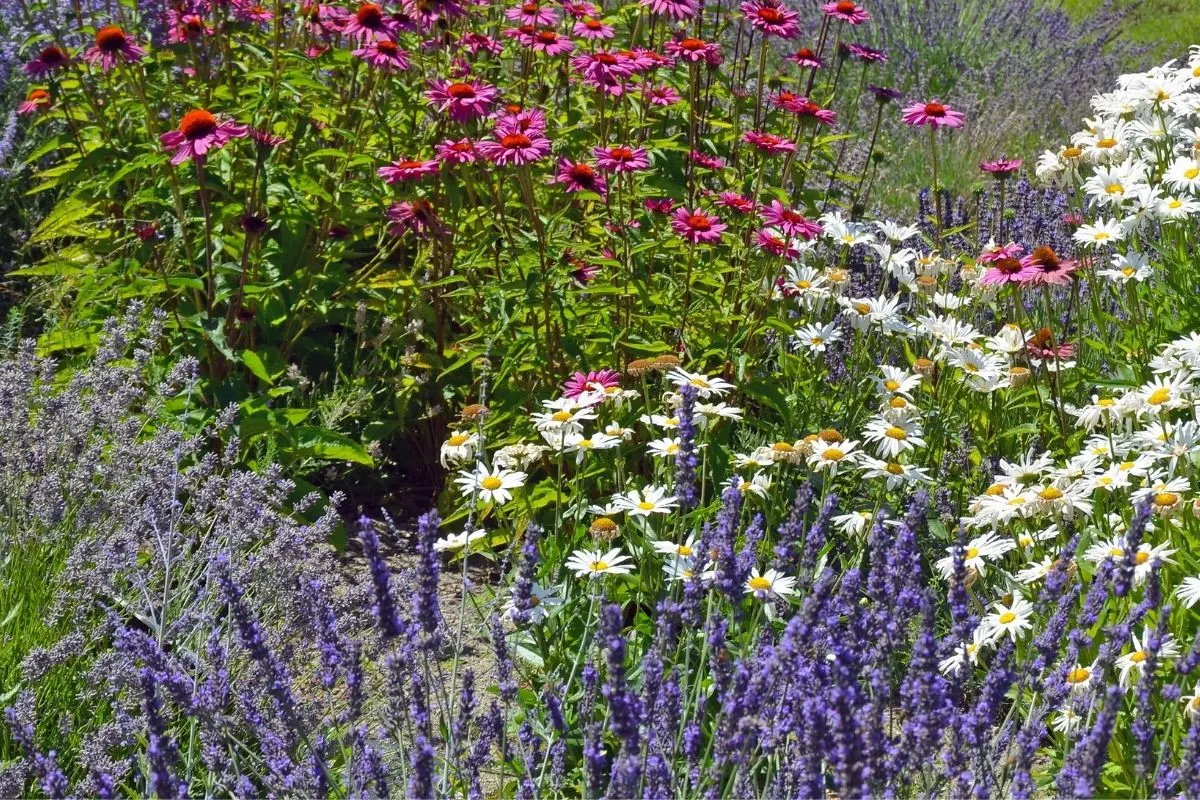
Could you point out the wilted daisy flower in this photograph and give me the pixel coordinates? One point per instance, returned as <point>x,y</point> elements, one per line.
<point>769,584</point>
<point>647,501</point>
<point>491,486</point>
<point>594,564</point>
<point>853,524</point>
<point>519,456</point>
<point>459,447</point>
<point>457,541</point>
<point>1009,619</point>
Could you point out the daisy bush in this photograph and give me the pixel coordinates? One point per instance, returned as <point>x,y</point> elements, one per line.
<point>741,487</point>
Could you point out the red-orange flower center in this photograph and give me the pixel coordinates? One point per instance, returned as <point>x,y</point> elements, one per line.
<point>771,15</point>
<point>409,165</point>
<point>38,96</point>
<point>582,173</point>
<point>846,7</point>
<point>369,15</point>
<point>935,110</point>
<point>461,91</point>
<point>546,36</point>
<point>110,38</point>
<point>1008,266</point>
<point>692,45</point>
<point>606,58</point>
<point>699,222</point>
<point>197,123</point>
<point>620,154</point>
<point>387,47</point>
<point>804,52</point>
<point>593,24</point>
<point>52,55</point>
<point>530,8</point>
<point>515,140</point>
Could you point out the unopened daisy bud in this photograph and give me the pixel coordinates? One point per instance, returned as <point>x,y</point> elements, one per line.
<point>604,529</point>
<point>1018,377</point>
<point>924,367</point>
<point>926,283</point>
<point>968,273</point>
<point>831,436</point>
<point>806,445</point>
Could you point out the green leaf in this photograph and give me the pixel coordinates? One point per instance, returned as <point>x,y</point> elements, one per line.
<point>323,443</point>
<point>255,364</point>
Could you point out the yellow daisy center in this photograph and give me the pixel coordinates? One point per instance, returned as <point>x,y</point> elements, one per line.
<point>760,584</point>
<point>1007,617</point>
<point>896,433</point>
<point>1050,493</point>
<point>598,566</point>
<point>833,454</point>
<point>891,385</point>
<point>457,440</point>
<point>1159,396</point>
<point>491,483</point>
<point>684,550</point>
<point>561,416</point>
<point>1164,499</point>
<point>1078,675</point>
<point>646,505</point>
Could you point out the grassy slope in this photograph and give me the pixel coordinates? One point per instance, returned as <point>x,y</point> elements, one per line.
<point>1173,24</point>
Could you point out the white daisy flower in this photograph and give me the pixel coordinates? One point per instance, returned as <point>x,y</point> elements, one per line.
<point>491,486</point>
<point>593,564</point>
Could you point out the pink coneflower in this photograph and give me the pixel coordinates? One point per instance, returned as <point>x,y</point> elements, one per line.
<point>865,54</point>
<point>266,139</point>
<point>661,95</point>
<point>805,57</point>
<point>883,94</point>
<point>1001,168</point>
<point>186,28</point>
<point>532,14</point>
<point>1044,266</point>
<point>36,100</point>
<point>246,11</point>
<point>769,142</point>
<point>579,177</point>
<point>806,109</point>
<point>650,60</point>
<point>515,148</point>
<point>846,11</point>
<point>113,47</point>
<point>735,202</point>
<point>592,28</point>
<point>516,119</point>
<point>455,152</point>
<point>773,241</point>
<point>621,158</point>
<point>406,170</point>
<point>602,65</point>
<point>1073,219</point>
<point>579,10</point>
<point>659,205</point>
<point>464,101</point>
<point>48,60</point>
<point>933,114</point>
<point>199,133</point>
<point>583,272</point>
<point>793,223</point>
<point>675,9</point>
<point>692,50</point>
<point>476,42</point>
<point>547,40</point>
<point>385,55</point>
<point>995,252</point>
<point>585,382</point>
<point>772,18</point>
<point>370,22</point>
<point>707,161</point>
<point>696,226</point>
<point>1006,270</point>
<point>1043,345</point>
<point>417,216</point>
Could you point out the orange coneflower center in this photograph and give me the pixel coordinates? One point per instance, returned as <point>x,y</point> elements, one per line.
<point>620,154</point>
<point>461,91</point>
<point>110,38</point>
<point>530,8</point>
<point>424,209</point>
<point>409,165</point>
<point>605,58</point>
<point>582,173</point>
<point>804,52</point>
<point>38,96</point>
<point>770,14</point>
<point>514,140</point>
<point>1045,258</point>
<point>387,47</point>
<point>593,24</point>
<point>692,45</point>
<point>935,110</point>
<point>699,222</point>
<point>1008,266</point>
<point>546,36</point>
<point>846,7</point>
<point>369,15</point>
<point>197,123</point>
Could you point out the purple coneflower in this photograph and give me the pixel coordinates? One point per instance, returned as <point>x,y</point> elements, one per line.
<point>592,28</point>
<point>806,109</point>
<point>532,14</point>
<point>883,94</point>
<point>696,226</point>
<point>805,57</point>
<point>113,47</point>
<point>199,133</point>
<point>48,60</point>
<point>846,11</point>
<point>384,54</point>
<point>547,40</point>
<point>735,202</point>
<point>707,161</point>
<point>37,100</point>
<point>583,382</point>
<point>676,9</point>
<point>1001,168</point>
<point>455,152</point>
<point>417,216</point>
<point>1004,270</point>
<point>515,148</point>
<point>408,170</point>
<point>773,241</point>
<point>661,95</point>
<point>579,177</point>
<point>933,114</point>
<point>793,223</point>
<point>621,158</point>
<point>693,50</point>
<point>370,22</point>
<point>865,54</point>
<point>462,101</point>
<point>1045,266</point>
<point>772,18</point>
<point>995,252</point>
<point>769,142</point>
